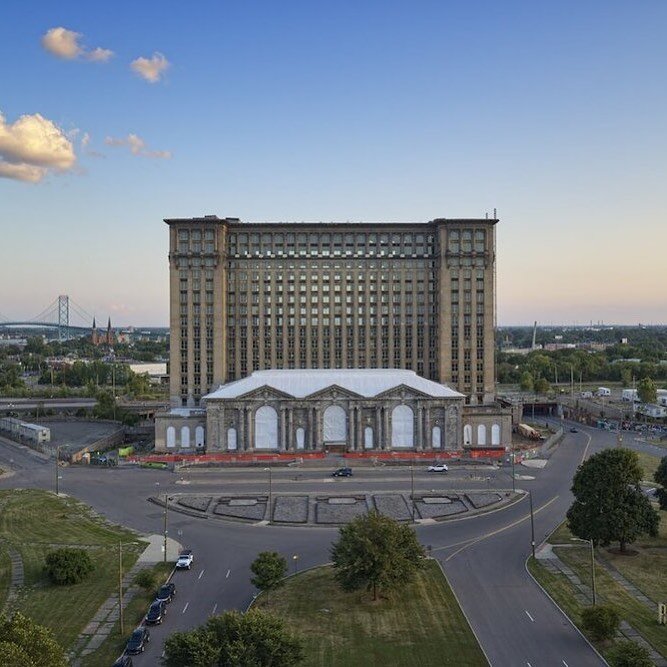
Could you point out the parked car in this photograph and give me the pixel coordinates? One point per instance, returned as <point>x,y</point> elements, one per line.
<point>156,613</point>
<point>185,559</point>
<point>137,642</point>
<point>166,592</point>
<point>124,661</point>
<point>342,472</point>
<point>438,467</point>
<point>574,430</point>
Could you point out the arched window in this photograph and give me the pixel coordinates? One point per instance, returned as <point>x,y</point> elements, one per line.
<point>231,438</point>
<point>368,437</point>
<point>467,434</point>
<point>402,426</point>
<point>171,436</point>
<point>495,434</point>
<point>481,434</point>
<point>199,436</point>
<point>300,438</point>
<point>436,438</point>
<point>266,428</point>
<point>335,424</point>
<point>185,436</point>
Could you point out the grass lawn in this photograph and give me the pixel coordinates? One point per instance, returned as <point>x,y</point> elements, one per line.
<point>647,570</point>
<point>5,575</point>
<point>649,465</point>
<point>421,625</point>
<point>134,613</point>
<point>36,522</point>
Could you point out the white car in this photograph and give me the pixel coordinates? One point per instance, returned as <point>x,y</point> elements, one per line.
<point>184,561</point>
<point>439,467</point>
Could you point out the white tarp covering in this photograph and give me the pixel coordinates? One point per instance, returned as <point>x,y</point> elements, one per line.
<point>402,427</point>
<point>481,434</point>
<point>495,434</point>
<point>231,438</point>
<point>199,436</point>
<point>335,424</point>
<point>171,436</point>
<point>304,382</point>
<point>368,438</point>
<point>300,438</point>
<point>185,436</point>
<point>266,428</point>
<point>436,438</point>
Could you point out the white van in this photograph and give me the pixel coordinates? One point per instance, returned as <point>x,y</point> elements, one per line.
<point>603,391</point>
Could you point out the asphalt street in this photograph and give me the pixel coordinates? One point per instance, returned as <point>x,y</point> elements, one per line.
<point>483,556</point>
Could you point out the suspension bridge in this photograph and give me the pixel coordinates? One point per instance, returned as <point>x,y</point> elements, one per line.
<point>62,315</point>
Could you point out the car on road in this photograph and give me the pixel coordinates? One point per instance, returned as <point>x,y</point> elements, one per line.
<point>574,430</point>
<point>137,642</point>
<point>342,472</point>
<point>438,467</point>
<point>156,613</point>
<point>124,661</point>
<point>185,559</point>
<point>166,592</point>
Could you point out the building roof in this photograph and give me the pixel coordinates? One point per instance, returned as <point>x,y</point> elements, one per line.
<point>305,382</point>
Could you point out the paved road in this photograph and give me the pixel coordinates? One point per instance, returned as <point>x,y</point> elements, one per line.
<point>483,556</point>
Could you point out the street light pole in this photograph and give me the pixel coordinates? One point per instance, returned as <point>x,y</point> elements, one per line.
<point>532,524</point>
<point>166,508</point>
<point>270,491</point>
<point>513,476</point>
<point>295,559</point>
<point>593,571</point>
<point>56,462</point>
<point>120,585</point>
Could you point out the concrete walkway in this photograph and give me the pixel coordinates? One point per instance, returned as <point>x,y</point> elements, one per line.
<point>102,624</point>
<point>17,578</point>
<point>584,594</point>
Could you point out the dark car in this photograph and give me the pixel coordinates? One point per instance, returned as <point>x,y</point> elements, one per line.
<point>342,472</point>
<point>156,613</point>
<point>574,430</point>
<point>123,661</point>
<point>137,642</point>
<point>166,592</point>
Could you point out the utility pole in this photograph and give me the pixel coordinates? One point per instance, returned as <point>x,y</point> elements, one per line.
<point>56,462</point>
<point>593,570</point>
<point>166,508</point>
<point>513,477</point>
<point>532,523</point>
<point>120,585</point>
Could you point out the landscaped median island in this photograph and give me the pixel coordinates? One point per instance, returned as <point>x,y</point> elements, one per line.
<point>35,523</point>
<point>645,568</point>
<point>420,625</point>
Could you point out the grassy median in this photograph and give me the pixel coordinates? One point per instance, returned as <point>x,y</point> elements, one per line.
<point>36,522</point>
<point>420,626</point>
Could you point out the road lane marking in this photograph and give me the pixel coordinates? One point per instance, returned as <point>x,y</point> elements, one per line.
<point>227,575</point>
<point>499,530</point>
<point>201,574</point>
<point>563,661</point>
<point>588,444</point>
<point>185,608</point>
<point>215,608</point>
<point>529,665</point>
<point>529,616</point>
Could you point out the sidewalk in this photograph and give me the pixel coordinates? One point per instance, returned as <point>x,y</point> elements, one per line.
<point>17,578</point>
<point>584,595</point>
<point>102,624</point>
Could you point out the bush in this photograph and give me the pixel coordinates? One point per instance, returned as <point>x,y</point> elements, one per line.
<point>600,622</point>
<point>146,579</point>
<point>68,566</point>
<point>629,654</point>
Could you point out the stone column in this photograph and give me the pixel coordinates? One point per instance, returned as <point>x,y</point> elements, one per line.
<point>221,442</point>
<point>289,442</point>
<point>360,429</point>
<point>427,428</point>
<point>250,440</point>
<point>377,441</point>
<point>283,430</point>
<point>318,429</point>
<point>420,428</point>
<point>351,428</point>
<point>240,431</point>
<point>385,429</point>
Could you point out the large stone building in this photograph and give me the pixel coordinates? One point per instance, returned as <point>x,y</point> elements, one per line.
<point>255,296</point>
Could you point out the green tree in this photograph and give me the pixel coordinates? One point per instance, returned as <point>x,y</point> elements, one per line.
<point>609,504</point>
<point>660,476</point>
<point>31,639</point>
<point>269,569</point>
<point>600,622</point>
<point>255,639</point>
<point>647,391</point>
<point>68,565</point>
<point>146,579</point>
<point>526,383</point>
<point>542,385</point>
<point>376,553</point>
<point>626,376</point>
<point>14,655</point>
<point>626,653</point>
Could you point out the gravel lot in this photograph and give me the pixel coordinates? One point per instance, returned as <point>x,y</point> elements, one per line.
<point>199,503</point>
<point>394,506</point>
<point>291,509</point>
<point>252,512</point>
<point>432,511</point>
<point>327,513</point>
<point>478,500</point>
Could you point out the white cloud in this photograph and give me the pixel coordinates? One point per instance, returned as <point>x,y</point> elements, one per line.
<point>65,44</point>
<point>137,146</point>
<point>85,140</point>
<point>62,43</point>
<point>99,55</point>
<point>151,68</point>
<point>32,146</point>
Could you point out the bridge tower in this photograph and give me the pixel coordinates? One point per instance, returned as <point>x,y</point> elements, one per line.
<point>63,317</point>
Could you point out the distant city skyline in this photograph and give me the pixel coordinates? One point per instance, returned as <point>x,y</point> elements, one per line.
<point>114,117</point>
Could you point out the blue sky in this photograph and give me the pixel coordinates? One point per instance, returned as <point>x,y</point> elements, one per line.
<point>552,112</point>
